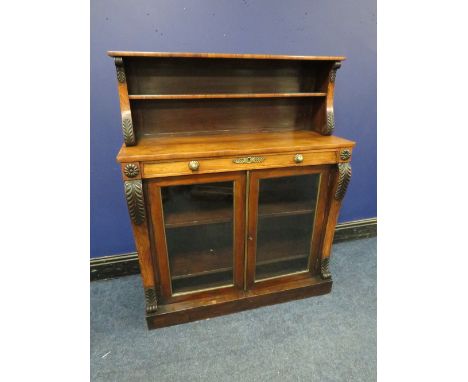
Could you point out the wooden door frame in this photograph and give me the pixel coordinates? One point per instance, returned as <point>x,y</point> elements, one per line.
<point>317,232</point>
<point>160,257</point>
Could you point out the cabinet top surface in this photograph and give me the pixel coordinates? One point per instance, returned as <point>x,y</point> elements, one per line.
<point>218,145</point>
<point>223,55</point>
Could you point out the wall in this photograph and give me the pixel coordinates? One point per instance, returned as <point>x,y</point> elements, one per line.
<point>327,27</point>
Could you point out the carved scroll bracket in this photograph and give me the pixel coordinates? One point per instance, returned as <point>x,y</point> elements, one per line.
<point>330,122</point>
<point>135,202</point>
<point>329,126</point>
<point>127,124</point>
<point>344,177</point>
<point>127,129</point>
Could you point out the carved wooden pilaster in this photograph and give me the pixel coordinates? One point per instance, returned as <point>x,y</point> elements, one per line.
<point>135,201</point>
<point>150,299</point>
<point>344,177</point>
<point>325,269</point>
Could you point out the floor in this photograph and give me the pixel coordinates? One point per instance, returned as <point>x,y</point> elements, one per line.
<point>326,338</point>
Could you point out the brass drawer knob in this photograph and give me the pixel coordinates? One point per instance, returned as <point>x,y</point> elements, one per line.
<point>194,165</point>
<point>298,158</point>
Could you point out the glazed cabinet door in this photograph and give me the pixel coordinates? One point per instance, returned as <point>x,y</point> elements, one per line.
<point>286,212</point>
<point>198,225</point>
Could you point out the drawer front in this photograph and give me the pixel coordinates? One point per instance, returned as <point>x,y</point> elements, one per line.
<point>213,165</point>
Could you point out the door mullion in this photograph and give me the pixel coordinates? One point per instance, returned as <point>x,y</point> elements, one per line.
<point>251,229</point>
<point>246,228</point>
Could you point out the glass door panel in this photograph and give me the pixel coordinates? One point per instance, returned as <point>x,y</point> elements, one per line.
<point>286,213</point>
<point>199,227</point>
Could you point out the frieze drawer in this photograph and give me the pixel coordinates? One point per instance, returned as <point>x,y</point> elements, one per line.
<point>248,162</point>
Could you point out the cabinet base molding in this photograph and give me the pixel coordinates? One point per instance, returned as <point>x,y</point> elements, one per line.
<point>193,310</point>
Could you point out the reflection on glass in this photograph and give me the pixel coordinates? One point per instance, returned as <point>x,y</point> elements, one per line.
<point>199,234</point>
<point>286,212</point>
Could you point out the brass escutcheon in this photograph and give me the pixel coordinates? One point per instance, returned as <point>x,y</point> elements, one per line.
<point>247,160</point>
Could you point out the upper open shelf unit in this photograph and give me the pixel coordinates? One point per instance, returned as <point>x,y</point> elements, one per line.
<point>195,93</point>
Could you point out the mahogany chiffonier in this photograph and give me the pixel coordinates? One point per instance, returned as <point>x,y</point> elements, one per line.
<point>232,177</point>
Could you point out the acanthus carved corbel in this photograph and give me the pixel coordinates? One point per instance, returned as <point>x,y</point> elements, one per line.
<point>127,129</point>
<point>344,177</point>
<point>150,299</point>
<point>135,202</point>
<point>329,126</point>
<point>127,124</point>
<point>330,122</point>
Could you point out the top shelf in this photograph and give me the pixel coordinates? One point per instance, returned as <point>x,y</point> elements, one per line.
<point>223,95</point>
<point>224,55</point>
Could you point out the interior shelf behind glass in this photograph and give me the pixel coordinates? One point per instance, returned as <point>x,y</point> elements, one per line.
<point>200,252</point>
<point>284,239</point>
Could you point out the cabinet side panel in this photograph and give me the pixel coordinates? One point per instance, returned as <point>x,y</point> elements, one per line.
<point>142,243</point>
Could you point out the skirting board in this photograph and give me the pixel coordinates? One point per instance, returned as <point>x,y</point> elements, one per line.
<point>110,267</point>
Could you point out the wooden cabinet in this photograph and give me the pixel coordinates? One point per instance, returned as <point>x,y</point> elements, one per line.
<point>232,177</point>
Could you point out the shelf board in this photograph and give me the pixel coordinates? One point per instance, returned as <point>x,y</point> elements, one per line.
<point>196,262</point>
<point>202,273</point>
<point>280,250</point>
<point>223,95</point>
<point>224,215</point>
<point>282,259</point>
<point>168,147</point>
<point>276,209</point>
<point>197,217</point>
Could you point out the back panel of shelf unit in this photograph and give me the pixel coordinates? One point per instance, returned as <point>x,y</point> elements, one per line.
<point>164,117</point>
<point>214,76</point>
<point>194,76</point>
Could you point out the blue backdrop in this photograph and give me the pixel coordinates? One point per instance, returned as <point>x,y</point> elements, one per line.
<point>313,27</point>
